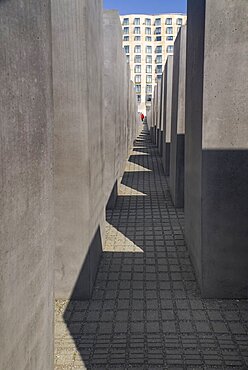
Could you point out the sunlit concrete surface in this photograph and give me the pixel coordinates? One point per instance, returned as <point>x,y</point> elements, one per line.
<point>146,310</point>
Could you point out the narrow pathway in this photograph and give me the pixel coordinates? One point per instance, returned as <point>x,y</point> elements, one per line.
<point>146,311</point>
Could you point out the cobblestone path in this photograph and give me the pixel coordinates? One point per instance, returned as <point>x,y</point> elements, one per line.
<point>146,311</point>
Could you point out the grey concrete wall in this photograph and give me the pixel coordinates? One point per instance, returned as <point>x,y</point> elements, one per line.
<point>26,216</point>
<point>216,207</point>
<point>161,116</point>
<point>94,129</point>
<point>79,142</point>
<point>153,116</point>
<point>113,127</point>
<point>178,120</point>
<point>168,79</point>
<point>158,112</point>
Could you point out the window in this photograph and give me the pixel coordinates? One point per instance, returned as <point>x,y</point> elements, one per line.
<point>148,69</point>
<point>126,38</point>
<point>137,38</point>
<point>169,38</point>
<point>157,22</point>
<point>169,30</point>
<point>137,59</point>
<point>158,31</point>
<point>126,47</point>
<point>159,59</point>
<point>149,79</point>
<point>128,58</point>
<point>159,77</point>
<point>138,98</point>
<point>126,21</point>
<point>148,31</point>
<point>170,49</point>
<point>137,79</point>
<point>137,49</point>
<point>148,38</point>
<point>168,21</point>
<point>178,29</point>
<point>126,30</point>
<point>136,21</point>
<point>149,89</point>
<point>136,30</point>
<point>148,22</point>
<point>179,21</point>
<point>148,97</point>
<point>159,49</point>
<point>159,69</point>
<point>138,88</point>
<point>148,50</point>
<point>158,38</point>
<point>137,68</point>
<point>149,59</point>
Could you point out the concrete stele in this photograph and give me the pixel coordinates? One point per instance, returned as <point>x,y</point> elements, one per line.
<point>216,176</point>
<point>79,151</point>
<point>178,120</point>
<point>168,72</point>
<point>26,217</point>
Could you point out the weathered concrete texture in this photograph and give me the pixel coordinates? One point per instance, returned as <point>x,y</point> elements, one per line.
<point>94,129</point>
<point>178,120</point>
<point>79,151</point>
<point>216,176</point>
<point>156,114</point>
<point>113,126</point>
<point>161,116</point>
<point>158,110</point>
<point>167,102</point>
<point>26,217</point>
<point>152,119</point>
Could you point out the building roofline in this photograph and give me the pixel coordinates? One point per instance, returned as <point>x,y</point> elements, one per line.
<point>151,15</point>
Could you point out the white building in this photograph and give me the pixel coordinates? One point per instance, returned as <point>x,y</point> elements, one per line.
<point>147,40</point>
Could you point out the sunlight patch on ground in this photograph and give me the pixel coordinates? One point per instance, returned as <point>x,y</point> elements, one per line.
<point>134,167</point>
<point>140,153</point>
<point>118,242</point>
<point>125,190</point>
<point>67,355</point>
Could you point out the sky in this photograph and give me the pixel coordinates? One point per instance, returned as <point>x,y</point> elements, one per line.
<point>146,6</point>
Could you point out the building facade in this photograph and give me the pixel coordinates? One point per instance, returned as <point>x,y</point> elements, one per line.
<point>148,40</point>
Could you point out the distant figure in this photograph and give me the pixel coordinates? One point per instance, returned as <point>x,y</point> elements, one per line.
<point>142,117</point>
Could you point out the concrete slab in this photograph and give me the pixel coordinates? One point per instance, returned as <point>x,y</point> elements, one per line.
<point>26,186</point>
<point>168,74</point>
<point>113,127</point>
<point>79,143</point>
<point>178,120</point>
<point>161,116</point>
<point>216,176</point>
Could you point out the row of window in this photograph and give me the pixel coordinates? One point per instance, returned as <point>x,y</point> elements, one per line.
<point>148,88</point>
<point>137,59</point>
<point>158,49</point>
<point>137,68</point>
<point>148,30</point>
<point>137,78</point>
<point>148,21</point>
<point>148,98</point>
<point>148,38</point>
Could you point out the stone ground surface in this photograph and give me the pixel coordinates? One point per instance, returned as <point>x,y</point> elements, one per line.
<point>146,311</point>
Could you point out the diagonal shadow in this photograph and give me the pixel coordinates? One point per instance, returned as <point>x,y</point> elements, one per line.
<point>146,311</point>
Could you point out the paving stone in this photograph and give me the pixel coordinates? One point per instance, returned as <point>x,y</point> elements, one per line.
<point>146,311</point>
